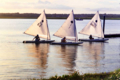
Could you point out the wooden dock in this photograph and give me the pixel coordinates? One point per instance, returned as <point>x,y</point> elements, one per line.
<point>112,35</point>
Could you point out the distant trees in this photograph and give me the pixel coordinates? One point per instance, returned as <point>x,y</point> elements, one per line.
<point>56,16</point>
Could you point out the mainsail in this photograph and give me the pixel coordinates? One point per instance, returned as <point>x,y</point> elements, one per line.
<point>68,29</point>
<point>39,27</point>
<point>94,27</point>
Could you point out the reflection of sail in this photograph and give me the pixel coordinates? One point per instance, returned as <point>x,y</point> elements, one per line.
<point>94,53</point>
<point>68,56</point>
<point>39,53</point>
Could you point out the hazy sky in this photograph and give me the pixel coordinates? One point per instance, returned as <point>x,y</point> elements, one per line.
<point>60,6</point>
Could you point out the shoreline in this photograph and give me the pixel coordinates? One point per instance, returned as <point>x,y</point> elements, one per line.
<point>114,75</point>
<point>56,16</point>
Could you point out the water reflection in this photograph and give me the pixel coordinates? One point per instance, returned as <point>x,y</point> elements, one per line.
<point>98,55</point>
<point>48,58</point>
<point>39,52</point>
<point>95,49</point>
<point>93,55</point>
<point>21,61</point>
<point>68,56</point>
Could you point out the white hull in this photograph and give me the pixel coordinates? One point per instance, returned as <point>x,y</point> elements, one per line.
<point>66,43</point>
<point>42,41</point>
<point>94,40</point>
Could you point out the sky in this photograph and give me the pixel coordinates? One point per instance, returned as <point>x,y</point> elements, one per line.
<point>60,6</point>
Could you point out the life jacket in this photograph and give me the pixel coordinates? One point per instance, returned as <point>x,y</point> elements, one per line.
<point>63,40</point>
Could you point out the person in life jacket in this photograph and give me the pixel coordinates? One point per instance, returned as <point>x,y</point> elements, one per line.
<point>37,38</point>
<point>63,40</point>
<point>90,37</point>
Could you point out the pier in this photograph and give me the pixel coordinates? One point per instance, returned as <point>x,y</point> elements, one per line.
<point>112,35</point>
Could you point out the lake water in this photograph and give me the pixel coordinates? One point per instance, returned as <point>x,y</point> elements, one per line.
<point>20,61</point>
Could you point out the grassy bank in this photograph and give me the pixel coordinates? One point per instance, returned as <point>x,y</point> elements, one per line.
<point>76,76</point>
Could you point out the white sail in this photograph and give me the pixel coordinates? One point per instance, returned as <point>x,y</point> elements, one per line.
<point>68,29</point>
<point>39,27</point>
<point>94,27</point>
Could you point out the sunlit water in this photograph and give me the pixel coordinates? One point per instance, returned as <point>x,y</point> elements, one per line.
<point>20,61</point>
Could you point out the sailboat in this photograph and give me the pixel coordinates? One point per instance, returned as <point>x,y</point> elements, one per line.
<point>94,28</point>
<point>39,27</point>
<point>68,30</point>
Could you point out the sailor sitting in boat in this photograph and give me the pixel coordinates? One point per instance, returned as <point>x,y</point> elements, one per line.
<point>90,37</point>
<point>37,38</point>
<point>63,40</point>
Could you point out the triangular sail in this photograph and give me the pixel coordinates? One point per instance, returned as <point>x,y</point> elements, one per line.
<point>39,27</point>
<point>94,27</point>
<point>68,29</point>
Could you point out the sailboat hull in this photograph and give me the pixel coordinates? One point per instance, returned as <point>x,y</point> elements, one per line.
<point>42,41</point>
<point>94,40</point>
<point>66,43</point>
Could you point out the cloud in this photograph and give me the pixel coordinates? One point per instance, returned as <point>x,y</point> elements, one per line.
<point>61,7</point>
<point>33,6</point>
<point>51,5</point>
<point>103,10</point>
<point>39,5</point>
<point>44,2</point>
<point>54,6</point>
<point>15,5</point>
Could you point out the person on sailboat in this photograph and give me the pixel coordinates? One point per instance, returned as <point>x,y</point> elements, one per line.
<point>90,37</point>
<point>63,40</point>
<point>37,38</point>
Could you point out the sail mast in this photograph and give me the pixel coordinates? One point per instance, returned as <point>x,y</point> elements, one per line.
<point>76,39</point>
<point>104,22</point>
<point>48,35</point>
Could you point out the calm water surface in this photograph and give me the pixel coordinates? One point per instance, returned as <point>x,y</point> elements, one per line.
<point>20,61</point>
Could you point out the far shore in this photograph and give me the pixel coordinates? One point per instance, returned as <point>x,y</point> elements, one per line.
<point>55,16</point>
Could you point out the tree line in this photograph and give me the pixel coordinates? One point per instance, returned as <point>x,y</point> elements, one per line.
<point>56,16</point>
